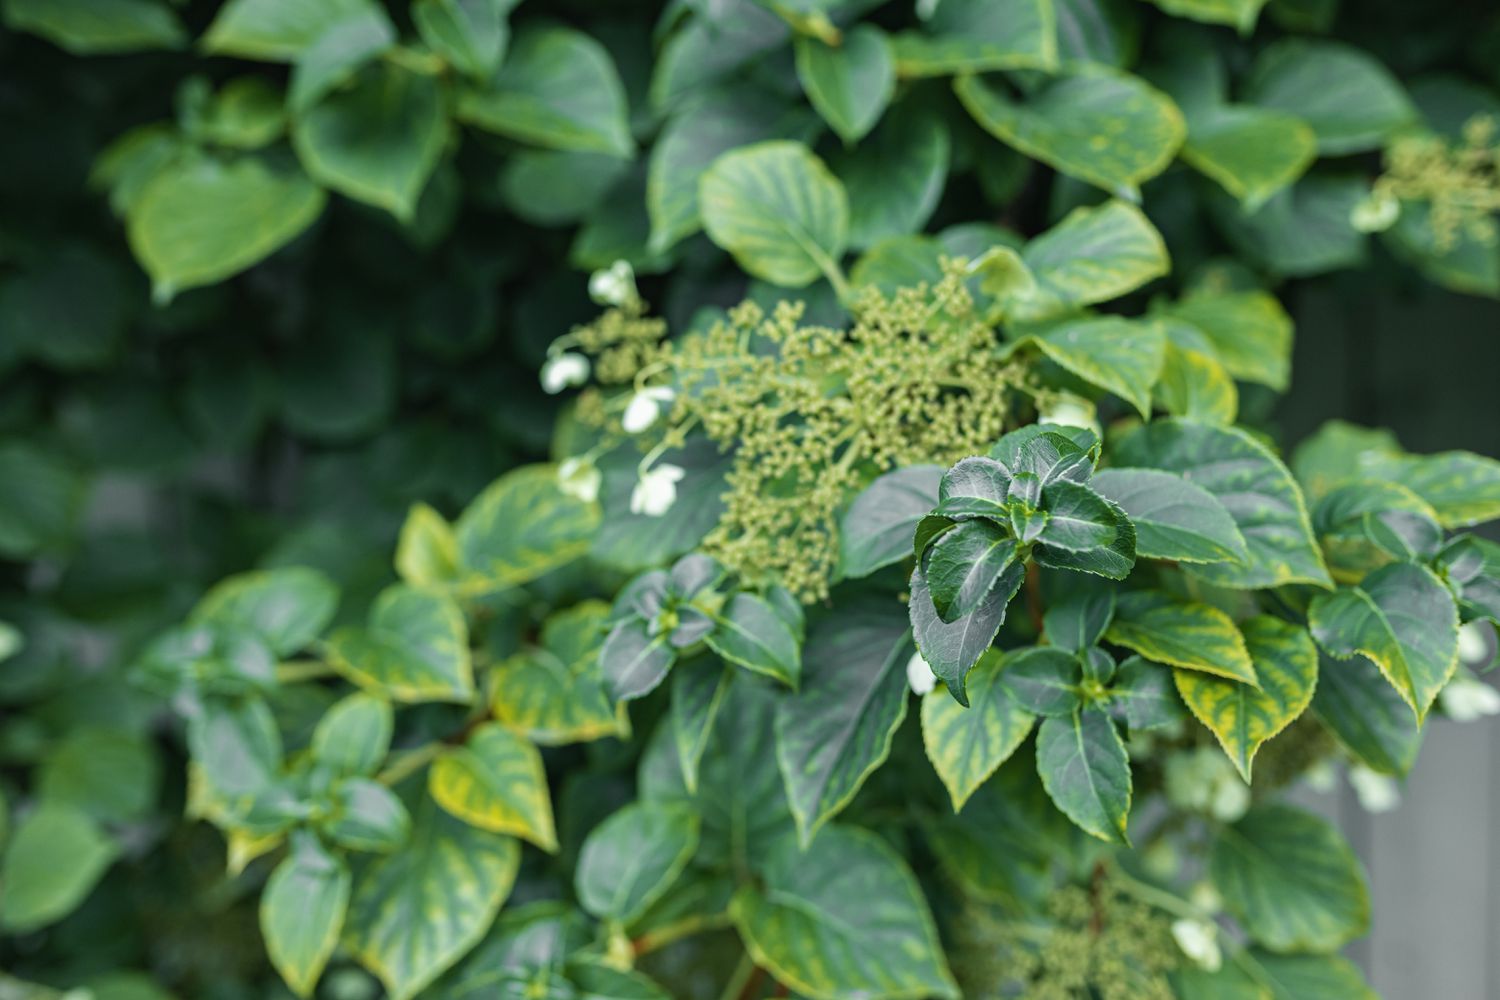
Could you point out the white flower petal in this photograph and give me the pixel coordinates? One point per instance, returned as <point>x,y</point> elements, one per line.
<point>1377,793</point>
<point>1199,941</point>
<point>563,370</point>
<point>919,675</point>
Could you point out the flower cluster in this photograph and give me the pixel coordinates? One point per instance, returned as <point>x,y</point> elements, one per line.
<point>1460,181</point>
<point>810,413</point>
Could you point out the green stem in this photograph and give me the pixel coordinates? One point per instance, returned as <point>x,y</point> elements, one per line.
<point>739,979</point>
<point>408,762</point>
<point>1159,898</point>
<point>294,671</point>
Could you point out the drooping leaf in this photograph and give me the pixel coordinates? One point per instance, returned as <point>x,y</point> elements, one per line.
<point>1252,485</point>
<point>966,745</point>
<point>750,634</point>
<point>1183,634</point>
<point>1077,622</point>
<point>554,692</point>
<point>1403,618</point>
<point>1173,517</point>
<point>287,607</point>
<point>1291,880</point>
<point>302,912</point>
<point>877,529</point>
<point>1243,718</point>
<point>950,649</point>
<point>1351,101</point>
<point>631,858</point>
<point>844,917</point>
<point>522,526</point>
<point>1104,127</point>
<point>414,648</point>
<point>778,210</point>
<point>839,727</point>
<point>1084,767</point>
<point>1367,715</point>
<point>849,84</point>
<point>558,88</point>
<point>418,911</point>
<point>1462,487</point>
<point>963,566</point>
<point>977,36</point>
<point>495,781</point>
<point>1122,356</point>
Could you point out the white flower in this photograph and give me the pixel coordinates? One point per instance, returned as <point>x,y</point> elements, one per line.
<point>645,407</point>
<point>1199,941</point>
<point>614,285</point>
<point>1070,411</point>
<point>1466,698</point>
<point>1375,213</point>
<point>919,675</point>
<point>1321,777</point>
<point>1377,793</point>
<point>579,477</point>
<point>1474,644</point>
<point>656,492</point>
<point>563,370</point>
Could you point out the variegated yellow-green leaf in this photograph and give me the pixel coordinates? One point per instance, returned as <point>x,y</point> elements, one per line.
<point>1093,255</point>
<point>1367,715</point>
<point>1251,152</point>
<point>286,607</point>
<point>354,734</point>
<point>1193,382</point>
<point>415,648</point>
<point>1122,356</point>
<point>838,729</point>
<point>495,781</point>
<point>842,918</point>
<point>302,912</point>
<point>1174,518</point>
<point>1464,488</point>
<point>1403,618</point>
<point>1239,14</point>
<point>1291,880</point>
<point>1372,523</point>
<point>1253,486</point>
<point>1182,634</point>
<point>777,208</point>
<point>522,526</point>
<point>1250,332</point>
<point>630,859</point>
<point>419,910</point>
<point>1243,718</point>
<point>553,692</point>
<point>1107,128</point>
<point>427,550</point>
<point>1086,771</point>
<point>977,36</point>
<point>966,745</point>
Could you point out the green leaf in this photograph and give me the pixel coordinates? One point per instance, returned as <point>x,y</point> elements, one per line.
<point>1252,153</point>
<point>109,773</point>
<point>553,693</point>
<point>275,30</point>
<point>896,176</point>
<point>471,35</point>
<point>98,27</point>
<point>1301,230</point>
<point>1103,127</point>
<point>1366,525</point>
<point>842,918</point>
<point>1085,532</point>
<point>1084,767</point>
<point>45,318</point>
<point>1250,332</point>
<point>302,912</point>
<point>1193,383</point>
<point>1239,14</point>
<point>287,607</point>
<point>877,529</point>
<point>1462,487</point>
<point>1309,977</point>
<point>962,567</point>
<point>558,88</point>
<point>496,782</point>
<point>839,727</point>
<point>634,856</point>
<point>851,84</point>
<point>950,649</point>
<point>378,141</point>
<point>1367,715</point>
<point>1471,565</point>
<point>1243,718</point>
<point>633,661</point>
<point>1290,880</point>
<point>335,59</point>
<point>967,745</point>
<point>237,745</point>
<point>1182,634</point>
<point>354,735</point>
<point>1403,618</point>
<point>521,527</point>
<point>1077,622</point>
<point>778,210</point>
<point>1093,255</point>
<point>698,693</point>
<point>1351,101</point>
<point>598,980</point>
<point>367,816</point>
<point>42,494</point>
<point>1174,518</point>
<point>977,36</point>
<point>1043,679</point>
<point>638,541</point>
<point>749,633</point>
<point>714,44</point>
<point>200,219</point>
<point>1253,486</point>
<point>1119,355</point>
<point>418,911</point>
<point>55,856</point>
<point>415,648</point>
<point>1142,695</point>
<point>427,550</point>
<point>1463,263</point>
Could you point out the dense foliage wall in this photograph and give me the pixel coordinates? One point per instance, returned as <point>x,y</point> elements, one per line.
<point>435,557</point>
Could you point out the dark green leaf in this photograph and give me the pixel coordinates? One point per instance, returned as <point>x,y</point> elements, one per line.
<point>1085,769</point>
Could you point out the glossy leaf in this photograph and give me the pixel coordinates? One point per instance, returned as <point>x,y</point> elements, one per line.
<point>1250,332</point>
<point>495,781</point>
<point>850,84</point>
<point>274,30</point>
<point>354,735</point>
<point>698,692</point>
<point>963,566</point>
<point>427,550</point>
<point>1085,769</point>
<point>55,856</point>
<point>1118,355</point>
<point>97,27</point>
<point>750,634</point>
<point>1085,532</point>
<point>1043,679</point>
<point>966,745</point>
<point>521,527</point>
<point>1190,635</point>
<point>1143,696</point>
<point>302,912</point>
<point>633,661</point>
<point>367,816</point>
<point>631,858</point>
<point>1251,152</point>
<point>470,34</point>
<point>554,692</point>
<point>976,36</point>
<point>415,648</point>
<point>1078,621</point>
<point>288,608</point>
<point>1351,101</point>
<point>1239,14</point>
<point>877,529</point>
<point>1093,255</point>
<point>1173,517</point>
<point>950,649</point>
